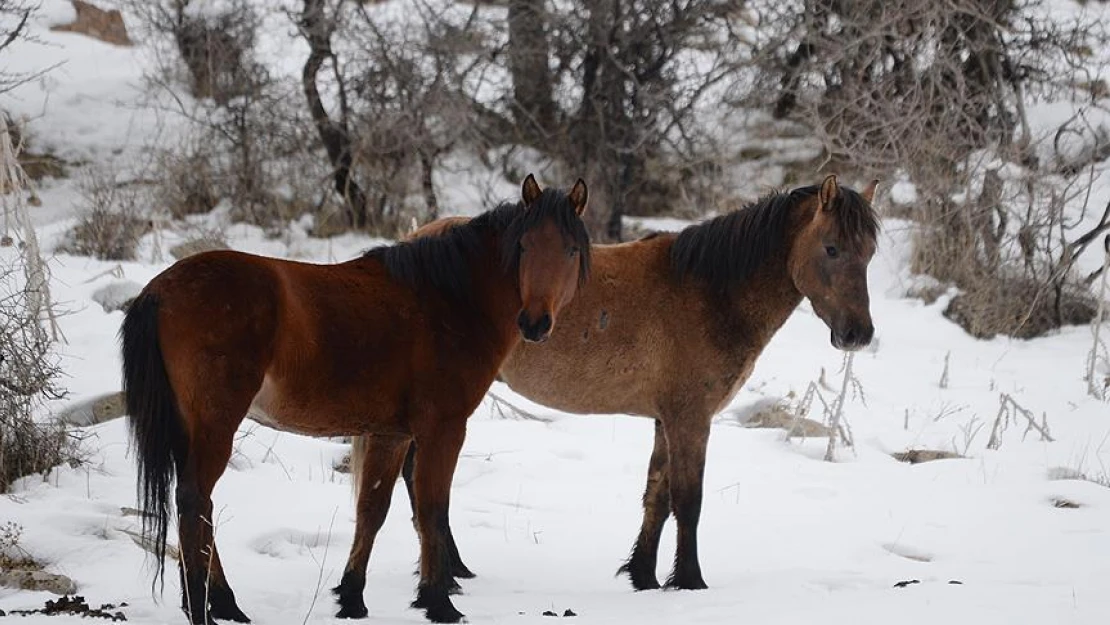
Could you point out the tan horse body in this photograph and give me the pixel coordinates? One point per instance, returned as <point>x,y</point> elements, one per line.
<point>671,328</point>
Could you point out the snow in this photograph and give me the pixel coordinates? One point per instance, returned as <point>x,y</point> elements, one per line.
<point>545,511</point>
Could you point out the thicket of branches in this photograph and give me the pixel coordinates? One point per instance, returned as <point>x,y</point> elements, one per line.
<point>630,94</point>
<point>936,91</point>
<point>28,371</point>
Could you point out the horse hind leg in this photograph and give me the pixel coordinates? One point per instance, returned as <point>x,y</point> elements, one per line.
<point>640,566</point>
<point>206,593</point>
<point>383,456</point>
<point>458,567</point>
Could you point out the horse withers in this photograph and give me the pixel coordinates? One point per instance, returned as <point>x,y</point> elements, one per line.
<point>671,326</point>
<point>402,342</point>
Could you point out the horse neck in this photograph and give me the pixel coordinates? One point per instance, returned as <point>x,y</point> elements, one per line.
<point>758,307</point>
<point>496,291</point>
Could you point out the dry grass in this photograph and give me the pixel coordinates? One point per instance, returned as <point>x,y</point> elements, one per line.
<point>917,456</point>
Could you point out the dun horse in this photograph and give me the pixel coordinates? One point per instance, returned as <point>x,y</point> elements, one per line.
<point>670,327</point>
<point>402,342</point>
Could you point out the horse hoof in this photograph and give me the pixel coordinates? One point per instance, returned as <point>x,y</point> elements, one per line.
<point>445,613</point>
<point>348,611</point>
<point>229,613</point>
<point>454,588</point>
<point>684,583</point>
<point>459,570</point>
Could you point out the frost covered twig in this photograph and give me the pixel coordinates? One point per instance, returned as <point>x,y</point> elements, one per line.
<point>12,183</point>
<point>836,411</point>
<point>320,572</point>
<point>507,410</point>
<point>1008,411</point>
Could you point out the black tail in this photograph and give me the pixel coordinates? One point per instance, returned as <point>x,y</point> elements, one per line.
<point>155,422</point>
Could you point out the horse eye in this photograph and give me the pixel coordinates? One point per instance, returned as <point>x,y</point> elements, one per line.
<point>831,251</point>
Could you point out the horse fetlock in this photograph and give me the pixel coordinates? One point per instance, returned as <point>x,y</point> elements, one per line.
<point>349,593</point>
<point>640,572</point>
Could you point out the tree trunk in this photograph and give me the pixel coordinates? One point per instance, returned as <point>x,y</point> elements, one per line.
<point>529,53</point>
<point>317,29</point>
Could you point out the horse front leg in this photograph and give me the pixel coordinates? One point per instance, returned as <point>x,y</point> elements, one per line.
<point>458,567</point>
<point>640,566</point>
<point>437,455</point>
<point>686,445</point>
<point>384,455</point>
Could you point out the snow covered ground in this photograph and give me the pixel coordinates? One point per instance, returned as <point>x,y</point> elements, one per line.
<point>545,511</point>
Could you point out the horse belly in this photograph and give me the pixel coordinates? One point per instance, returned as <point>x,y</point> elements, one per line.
<point>322,417</point>
<point>549,380</point>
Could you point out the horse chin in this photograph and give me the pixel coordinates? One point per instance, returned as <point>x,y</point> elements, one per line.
<point>845,346</point>
<point>538,339</point>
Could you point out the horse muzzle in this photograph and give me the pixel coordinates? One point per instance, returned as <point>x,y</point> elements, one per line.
<point>536,331</point>
<point>852,336</point>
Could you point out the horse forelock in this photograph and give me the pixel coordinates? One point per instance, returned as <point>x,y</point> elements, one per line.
<point>553,204</point>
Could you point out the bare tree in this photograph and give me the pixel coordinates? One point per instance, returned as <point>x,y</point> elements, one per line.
<point>636,71</point>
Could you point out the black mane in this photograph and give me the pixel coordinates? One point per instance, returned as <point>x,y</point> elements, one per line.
<point>726,250</point>
<point>442,261</point>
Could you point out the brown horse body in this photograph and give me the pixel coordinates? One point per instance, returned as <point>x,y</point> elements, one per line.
<point>670,327</point>
<point>401,343</point>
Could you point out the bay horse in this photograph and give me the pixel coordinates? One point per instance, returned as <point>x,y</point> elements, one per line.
<point>670,328</point>
<point>402,342</point>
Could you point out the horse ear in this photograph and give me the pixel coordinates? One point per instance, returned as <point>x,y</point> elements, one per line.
<point>579,195</point>
<point>869,192</point>
<point>830,190</point>
<point>530,190</point>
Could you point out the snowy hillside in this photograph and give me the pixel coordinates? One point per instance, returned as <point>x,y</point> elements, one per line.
<point>546,510</point>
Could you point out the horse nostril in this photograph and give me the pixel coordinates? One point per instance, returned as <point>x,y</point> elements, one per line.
<point>867,334</point>
<point>849,336</point>
<point>522,322</point>
<point>544,325</point>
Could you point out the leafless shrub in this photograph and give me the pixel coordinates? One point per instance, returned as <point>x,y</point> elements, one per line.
<point>112,222</point>
<point>12,554</point>
<point>188,183</point>
<point>28,375</point>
